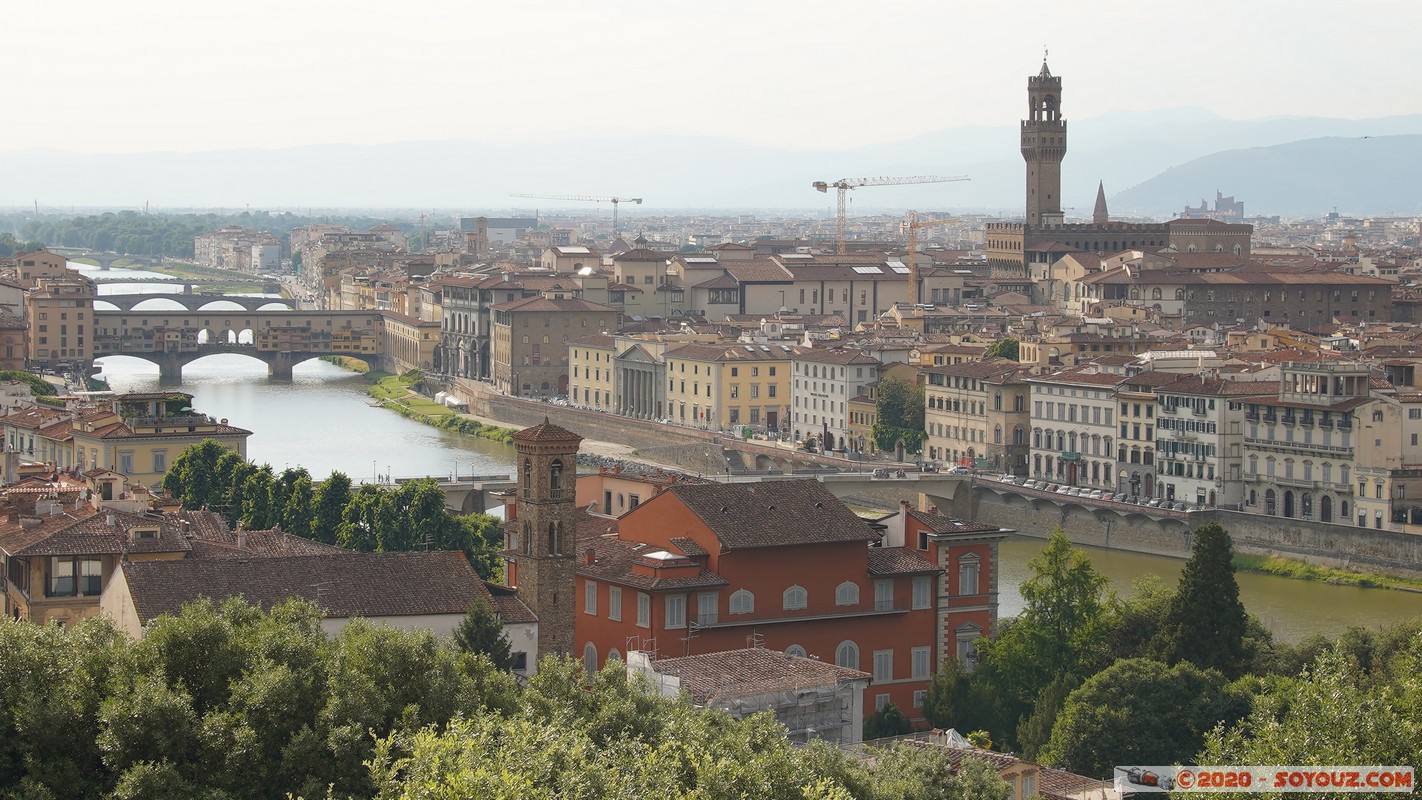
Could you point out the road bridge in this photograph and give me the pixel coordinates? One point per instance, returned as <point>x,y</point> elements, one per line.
<point>106,259</point>
<point>281,339</point>
<point>466,494</point>
<point>194,302</point>
<point>187,283</point>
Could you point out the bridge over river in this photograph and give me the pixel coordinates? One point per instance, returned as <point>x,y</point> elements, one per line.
<point>194,302</point>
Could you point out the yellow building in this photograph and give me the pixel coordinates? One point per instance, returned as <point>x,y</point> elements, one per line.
<point>61,314</point>
<point>727,386</point>
<point>591,382</point>
<point>139,435</point>
<point>409,342</point>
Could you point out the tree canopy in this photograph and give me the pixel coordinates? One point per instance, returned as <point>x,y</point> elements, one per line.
<point>408,517</point>
<point>899,409</point>
<point>225,702</point>
<point>1003,348</point>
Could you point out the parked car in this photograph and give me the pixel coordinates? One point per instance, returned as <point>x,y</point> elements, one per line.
<point>960,471</point>
<point>1108,496</point>
<point>1154,503</point>
<point>1097,494</point>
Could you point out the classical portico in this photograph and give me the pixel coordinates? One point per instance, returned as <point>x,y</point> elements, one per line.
<point>639,384</point>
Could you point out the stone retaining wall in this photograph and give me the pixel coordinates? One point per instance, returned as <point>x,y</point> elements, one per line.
<point>1105,525</point>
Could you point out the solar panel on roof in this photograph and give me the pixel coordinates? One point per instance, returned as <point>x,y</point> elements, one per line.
<point>900,269</point>
<point>700,260</point>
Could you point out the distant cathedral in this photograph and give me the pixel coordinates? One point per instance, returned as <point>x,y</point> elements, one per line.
<point>1013,247</point>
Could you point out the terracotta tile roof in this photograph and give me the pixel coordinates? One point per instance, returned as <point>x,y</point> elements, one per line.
<point>899,561</point>
<point>937,523</point>
<point>541,303</point>
<point>511,610</point>
<point>595,340</point>
<point>770,514</point>
<point>77,532</point>
<point>837,355</point>
<point>732,352</point>
<point>217,541</point>
<point>613,559</point>
<point>758,270</point>
<point>345,585</point>
<point>710,677</point>
<point>688,547</point>
<point>546,432</point>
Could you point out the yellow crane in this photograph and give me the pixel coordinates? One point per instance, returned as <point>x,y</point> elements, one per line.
<point>845,184</point>
<point>914,226</point>
<point>615,201</point>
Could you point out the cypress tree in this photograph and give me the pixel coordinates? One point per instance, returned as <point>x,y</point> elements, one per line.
<point>1206,621</point>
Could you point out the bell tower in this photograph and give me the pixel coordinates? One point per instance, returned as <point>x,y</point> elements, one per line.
<point>1044,142</point>
<point>541,535</point>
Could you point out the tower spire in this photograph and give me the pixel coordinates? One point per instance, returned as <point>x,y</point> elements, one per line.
<point>1099,215</point>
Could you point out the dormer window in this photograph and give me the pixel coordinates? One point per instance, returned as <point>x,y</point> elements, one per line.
<point>140,534</point>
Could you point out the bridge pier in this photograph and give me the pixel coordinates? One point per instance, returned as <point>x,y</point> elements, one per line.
<point>279,368</point>
<point>170,369</point>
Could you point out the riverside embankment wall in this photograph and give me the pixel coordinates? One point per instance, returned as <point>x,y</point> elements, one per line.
<point>1115,526</point>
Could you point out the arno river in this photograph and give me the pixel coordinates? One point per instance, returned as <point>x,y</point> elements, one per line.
<point>322,420</point>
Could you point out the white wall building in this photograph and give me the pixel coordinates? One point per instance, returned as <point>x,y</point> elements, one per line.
<point>1074,427</point>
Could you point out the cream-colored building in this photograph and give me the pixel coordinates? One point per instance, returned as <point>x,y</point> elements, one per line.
<point>976,414</point>
<point>727,386</point>
<point>31,268</point>
<point>1074,427</point>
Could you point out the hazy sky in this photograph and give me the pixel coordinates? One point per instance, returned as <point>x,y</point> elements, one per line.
<point>95,76</point>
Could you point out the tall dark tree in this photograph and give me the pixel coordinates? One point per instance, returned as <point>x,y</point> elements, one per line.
<point>481,632</point>
<point>257,498</point>
<point>300,510</point>
<point>332,497</point>
<point>1206,623</point>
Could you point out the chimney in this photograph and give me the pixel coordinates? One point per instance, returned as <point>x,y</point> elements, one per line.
<point>109,520</point>
<point>904,506</point>
<point>241,539</point>
<point>590,556</point>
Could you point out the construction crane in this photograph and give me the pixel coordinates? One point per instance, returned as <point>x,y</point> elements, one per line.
<point>914,226</point>
<point>845,184</point>
<point>589,199</point>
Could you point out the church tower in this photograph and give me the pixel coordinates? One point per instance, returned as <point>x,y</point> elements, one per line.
<point>1099,214</point>
<point>1043,148</point>
<point>542,535</point>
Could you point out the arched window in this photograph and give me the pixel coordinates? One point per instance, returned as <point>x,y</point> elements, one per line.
<point>1179,294</point>
<point>527,477</point>
<point>847,594</point>
<point>590,658</point>
<point>997,434</point>
<point>795,650</point>
<point>527,537</point>
<point>742,602</point>
<point>794,597</point>
<point>554,546</point>
<point>1155,294</point>
<point>555,479</point>
<point>613,655</point>
<point>1036,437</point>
<point>847,655</point>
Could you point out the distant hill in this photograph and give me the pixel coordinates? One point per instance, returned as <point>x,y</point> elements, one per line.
<point>1125,149</point>
<point>1358,175</point>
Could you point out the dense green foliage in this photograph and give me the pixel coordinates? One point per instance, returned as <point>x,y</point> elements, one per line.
<point>228,703</point>
<point>158,234</point>
<point>9,245</point>
<point>1138,711</point>
<point>1076,680</point>
<point>38,386</point>
<point>1003,348</point>
<point>1206,621</point>
<point>395,393</point>
<point>899,410</point>
<point>407,517</point>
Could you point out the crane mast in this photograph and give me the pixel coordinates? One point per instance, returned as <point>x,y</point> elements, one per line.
<point>615,201</point>
<point>845,184</point>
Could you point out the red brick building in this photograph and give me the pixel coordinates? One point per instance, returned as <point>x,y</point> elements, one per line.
<point>711,567</point>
